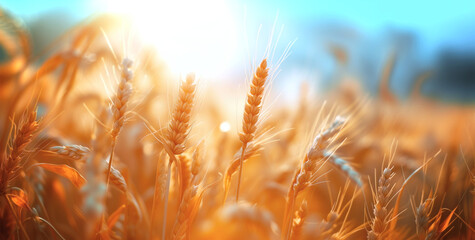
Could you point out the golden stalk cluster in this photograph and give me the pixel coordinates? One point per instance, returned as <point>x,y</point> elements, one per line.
<point>140,170</point>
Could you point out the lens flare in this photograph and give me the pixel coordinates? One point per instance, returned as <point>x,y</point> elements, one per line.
<point>198,36</point>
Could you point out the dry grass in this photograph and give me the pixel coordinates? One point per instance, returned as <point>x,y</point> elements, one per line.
<point>141,169</point>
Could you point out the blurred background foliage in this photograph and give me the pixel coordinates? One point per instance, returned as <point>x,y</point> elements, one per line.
<point>334,39</point>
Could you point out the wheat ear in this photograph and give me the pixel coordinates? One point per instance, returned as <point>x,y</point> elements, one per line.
<point>187,211</point>
<point>251,112</point>
<point>119,111</point>
<point>180,124</point>
<point>345,167</point>
<point>380,221</point>
<point>119,107</point>
<point>191,198</point>
<point>10,167</point>
<point>177,132</point>
<point>423,216</point>
<point>305,175</point>
<point>76,152</point>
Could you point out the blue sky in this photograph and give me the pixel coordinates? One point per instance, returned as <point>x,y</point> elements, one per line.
<point>435,21</point>
<point>436,25</point>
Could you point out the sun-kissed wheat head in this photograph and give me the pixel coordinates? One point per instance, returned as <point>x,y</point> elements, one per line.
<point>100,140</point>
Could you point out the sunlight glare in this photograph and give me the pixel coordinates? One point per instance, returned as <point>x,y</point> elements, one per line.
<point>198,36</point>
<point>225,127</point>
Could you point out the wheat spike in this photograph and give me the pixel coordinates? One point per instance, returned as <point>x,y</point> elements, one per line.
<point>187,212</point>
<point>119,107</point>
<point>180,125</point>
<point>177,132</point>
<point>75,152</point>
<point>345,167</point>
<point>383,195</point>
<point>10,166</point>
<point>121,98</point>
<point>251,112</point>
<point>304,176</point>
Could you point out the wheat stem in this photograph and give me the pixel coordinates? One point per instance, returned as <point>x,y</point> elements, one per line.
<point>240,171</point>
<point>110,164</point>
<point>165,207</point>
<point>154,202</point>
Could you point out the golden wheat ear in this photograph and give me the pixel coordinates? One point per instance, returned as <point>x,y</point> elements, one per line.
<point>251,112</point>
<point>306,174</point>
<point>119,107</point>
<point>180,124</point>
<point>121,98</point>
<point>380,223</point>
<point>177,134</point>
<point>76,152</point>
<point>9,167</point>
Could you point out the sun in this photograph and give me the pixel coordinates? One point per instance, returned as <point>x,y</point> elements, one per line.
<point>198,36</point>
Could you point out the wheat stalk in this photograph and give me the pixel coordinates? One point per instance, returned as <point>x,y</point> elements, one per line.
<point>186,175</point>
<point>119,107</point>
<point>380,222</point>
<point>251,112</point>
<point>177,132</point>
<point>119,112</point>
<point>251,150</point>
<point>304,176</point>
<point>10,167</point>
<point>159,189</point>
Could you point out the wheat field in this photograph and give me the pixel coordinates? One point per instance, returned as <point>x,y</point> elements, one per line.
<point>101,143</point>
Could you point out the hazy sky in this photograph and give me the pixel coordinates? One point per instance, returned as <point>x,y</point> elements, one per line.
<point>423,15</point>
<point>435,21</point>
<point>435,25</point>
